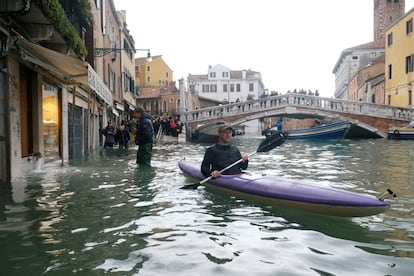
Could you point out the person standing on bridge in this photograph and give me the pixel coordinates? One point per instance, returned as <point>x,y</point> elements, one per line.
<point>222,154</point>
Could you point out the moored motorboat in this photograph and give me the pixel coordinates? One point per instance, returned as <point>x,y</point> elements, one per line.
<point>293,193</point>
<point>207,133</point>
<point>335,130</point>
<point>406,132</point>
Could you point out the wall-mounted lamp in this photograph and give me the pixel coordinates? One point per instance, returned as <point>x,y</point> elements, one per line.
<point>100,52</point>
<point>409,87</point>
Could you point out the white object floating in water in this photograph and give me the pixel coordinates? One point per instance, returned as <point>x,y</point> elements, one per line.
<point>78,230</point>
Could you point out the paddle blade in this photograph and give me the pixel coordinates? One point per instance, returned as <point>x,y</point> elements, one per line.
<point>190,186</point>
<point>272,141</point>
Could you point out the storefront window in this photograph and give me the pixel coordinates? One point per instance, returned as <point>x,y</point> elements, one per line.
<point>50,109</point>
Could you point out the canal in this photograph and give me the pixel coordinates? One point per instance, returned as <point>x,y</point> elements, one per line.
<point>106,216</point>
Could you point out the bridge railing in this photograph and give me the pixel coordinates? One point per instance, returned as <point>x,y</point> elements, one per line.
<point>300,100</point>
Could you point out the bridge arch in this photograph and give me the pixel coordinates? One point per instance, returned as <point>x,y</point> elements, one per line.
<point>370,117</point>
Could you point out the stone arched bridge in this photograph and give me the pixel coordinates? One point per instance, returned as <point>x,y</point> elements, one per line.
<point>375,118</point>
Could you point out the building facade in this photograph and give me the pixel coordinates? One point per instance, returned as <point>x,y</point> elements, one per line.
<point>127,57</point>
<point>399,62</point>
<point>386,12</point>
<point>44,83</point>
<point>157,92</point>
<point>111,69</point>
<point>368,84</point>
<point>160,101</point>
<point>351,60</point>
<point>224,85</point>
<point>152,72</point>
<point>56,91</point>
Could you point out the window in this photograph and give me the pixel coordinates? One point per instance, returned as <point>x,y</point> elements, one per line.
<point>113,53</point>
<point>166,74</point>
<point>128,82</point>
<point>410,96</point>
<point>389,39</point>
<point>232,87</point>
<point>409,64</point>
<point>251,87</point>
<point>192,88</point>
<point>225,87</point>
<point>128,51</point>
<point>111,79</point>
<point>238,87</point>
<point>389,71</point>
<point>132,85</point>
<point>205,88</point>
<point>149,79</point>
<point>409,26</point>
<point>148,68</point>
<point>213,88</point>
<point>225,74</point>
<point>212,74</point>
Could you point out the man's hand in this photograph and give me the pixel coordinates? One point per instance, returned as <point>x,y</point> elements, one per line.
<point>215,173</point>
<point>245,157</point>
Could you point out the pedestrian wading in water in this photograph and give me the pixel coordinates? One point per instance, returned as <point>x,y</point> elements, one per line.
<point>144,133</point>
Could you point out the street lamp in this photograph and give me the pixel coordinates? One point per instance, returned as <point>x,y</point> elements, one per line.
<point>100,52</point>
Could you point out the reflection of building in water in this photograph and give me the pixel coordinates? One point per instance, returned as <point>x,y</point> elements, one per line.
<point>50,108</point>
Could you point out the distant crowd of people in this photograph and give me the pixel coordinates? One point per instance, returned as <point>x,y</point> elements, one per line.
<point>121,134</point>
<point>169,126</point>
<point>116,135</point>
<point>142,129</point>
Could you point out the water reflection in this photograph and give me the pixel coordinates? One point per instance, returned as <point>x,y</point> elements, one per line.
<point>105,215</point>
<point>5,199</point>
<point>277,217</point>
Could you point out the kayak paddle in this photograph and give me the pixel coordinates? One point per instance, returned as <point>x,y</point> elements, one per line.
<point>266,145</point>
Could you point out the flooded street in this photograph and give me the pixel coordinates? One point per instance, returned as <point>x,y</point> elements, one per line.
<point>106,216</point>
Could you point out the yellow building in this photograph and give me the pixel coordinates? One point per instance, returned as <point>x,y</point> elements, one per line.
<point>152,73</point>
<point>399,62</point>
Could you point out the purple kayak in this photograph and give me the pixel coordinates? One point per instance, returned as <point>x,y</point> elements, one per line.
<point>292,193</point>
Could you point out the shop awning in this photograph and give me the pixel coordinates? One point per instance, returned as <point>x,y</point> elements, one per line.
<point>69,69</point>
<point>119,106</point>
<point>115,112</point>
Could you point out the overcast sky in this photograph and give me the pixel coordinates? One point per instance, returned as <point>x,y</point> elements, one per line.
<point>293,44</point>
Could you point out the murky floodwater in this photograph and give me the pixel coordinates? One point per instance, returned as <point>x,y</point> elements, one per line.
<point>105,216</point>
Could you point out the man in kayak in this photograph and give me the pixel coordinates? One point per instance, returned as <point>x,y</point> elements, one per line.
<point>223,154</point>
